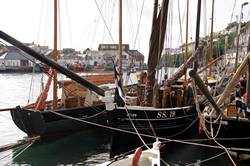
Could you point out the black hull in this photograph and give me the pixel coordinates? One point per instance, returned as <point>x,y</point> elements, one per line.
<point>46,123</point>
<point>176,123</point>
<point>232,133</point>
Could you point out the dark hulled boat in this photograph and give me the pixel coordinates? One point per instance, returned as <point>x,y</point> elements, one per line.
<point>227,122</point>
<point>48,118</point>
<point>231,132</point>
<point>170,121</point>
<point>41,122</point>
<point>150,123</point>
<point>48,123</point>
<point>156,110</point>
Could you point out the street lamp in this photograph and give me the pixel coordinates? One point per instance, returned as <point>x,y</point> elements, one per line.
<point>238,36</point>
<point>244,4</point>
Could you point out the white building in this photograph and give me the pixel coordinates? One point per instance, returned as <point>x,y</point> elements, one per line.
<point>107,53</point>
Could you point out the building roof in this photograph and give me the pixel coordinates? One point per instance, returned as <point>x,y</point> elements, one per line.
<point>15,54</point>
<point>103,47</point>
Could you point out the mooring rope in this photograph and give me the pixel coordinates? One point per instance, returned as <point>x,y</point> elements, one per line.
<point>208,159</point>
<point>211,125</point>
<point>138,134</point>
<point>145,135</point>
<point>19,153</point>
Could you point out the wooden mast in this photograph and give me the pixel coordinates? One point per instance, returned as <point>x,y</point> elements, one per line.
<point>120,39</point>
<point>186,47</point>
<point>151,72</point>
<point>55,52</point>
<point>238,36</point>
<point>155,47</point>
<point>211,38</point>
<point>248,76</point>
<point>197,36</point>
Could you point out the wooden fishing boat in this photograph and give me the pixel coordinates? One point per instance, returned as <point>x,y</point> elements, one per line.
<point>40,118</point>
<point>151,110</point>
<point>176,122</point>
<point>47,123</point>
<point>227,122</point>
<point>76,102</point>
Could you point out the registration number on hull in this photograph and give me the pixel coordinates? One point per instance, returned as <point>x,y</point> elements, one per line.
<point>165,114</point>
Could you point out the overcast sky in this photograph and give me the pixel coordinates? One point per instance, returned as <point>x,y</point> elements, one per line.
<point>81,25</point>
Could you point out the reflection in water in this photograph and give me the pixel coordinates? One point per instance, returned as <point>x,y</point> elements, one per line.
<point>83,148</point>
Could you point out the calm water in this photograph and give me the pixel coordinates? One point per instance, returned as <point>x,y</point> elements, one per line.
<point>84,148</point>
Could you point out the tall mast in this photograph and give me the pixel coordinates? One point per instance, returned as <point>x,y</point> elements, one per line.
<point>186,47</point>
<point>55,52</point>
<point>120,38</point>
<point>156,44</point>
<point>248,75</point>
<point>238,36</point>
<point>197,36</point>
<point>211,38</point>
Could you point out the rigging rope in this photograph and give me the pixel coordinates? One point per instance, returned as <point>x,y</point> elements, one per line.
<point>112,14</point>
<point>211,127</point>
<point>40,20</point>
<point>69,24</point>
<point>231,19</point>
<point>104,21</point>
<point>96,25</point>
<point>138,26</point>
<point>84,38</point>
<point>132,123</point>
<point>16,148</point>
<point>18,154</point>
<point>31,86</point>
<point>46,23</point>
<point>188,142</point>
<point>19,148</point>
<point>179,14</point>
<point>208,159</point>
<point>151,126</point>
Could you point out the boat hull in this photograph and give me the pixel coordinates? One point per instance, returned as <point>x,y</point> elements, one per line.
<point>232,132</point>
<point>179,122</point>
<point>46,123</point>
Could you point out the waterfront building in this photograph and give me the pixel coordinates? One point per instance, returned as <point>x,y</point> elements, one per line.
<point>106,53</point>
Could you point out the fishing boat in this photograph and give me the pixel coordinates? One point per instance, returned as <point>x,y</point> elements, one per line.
<point>41,118</point>
<point>76,102</point>
<point>151,109</point>
<point>226,120</point>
